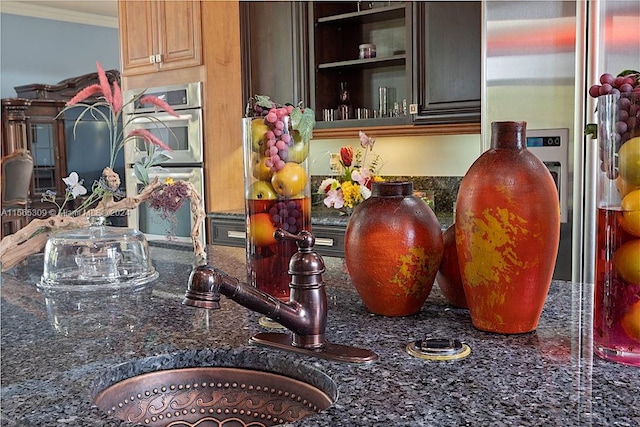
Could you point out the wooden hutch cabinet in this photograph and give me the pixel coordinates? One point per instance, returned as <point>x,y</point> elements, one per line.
<point>32,121</point>
<point>34,124</point>
<point>159,35</point>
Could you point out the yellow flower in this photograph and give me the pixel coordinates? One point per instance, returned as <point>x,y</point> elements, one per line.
<point>168,181</point>
<point>351,194</point>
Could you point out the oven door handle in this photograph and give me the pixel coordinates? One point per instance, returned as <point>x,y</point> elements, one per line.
<point>161,118</point>
<point>171,173</point>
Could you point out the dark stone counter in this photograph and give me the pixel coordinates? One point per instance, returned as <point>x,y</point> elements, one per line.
<point>55,351</point>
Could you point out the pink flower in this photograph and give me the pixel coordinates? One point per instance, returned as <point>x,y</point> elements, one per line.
<point>334,199</point>
<point>365,141</point>
<point>363,177</point>
<point>104,84</point>
<point>84,94</point>
<point>117,98</point>
<point>161,104</point>
<point>148,136</point>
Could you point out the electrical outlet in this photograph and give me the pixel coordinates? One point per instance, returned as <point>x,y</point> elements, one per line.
<point>413,108</point>
<point>334,163</point>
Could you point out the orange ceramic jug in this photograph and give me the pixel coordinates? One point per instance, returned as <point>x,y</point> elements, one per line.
<point>393,247</point>
<point>507,233</point>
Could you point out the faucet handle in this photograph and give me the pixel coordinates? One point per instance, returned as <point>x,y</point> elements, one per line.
<point>304,239</point>
<point>306,265</point>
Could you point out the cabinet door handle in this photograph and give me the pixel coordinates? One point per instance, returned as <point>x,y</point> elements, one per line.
<point>321,241</point>
<point>236,234</point>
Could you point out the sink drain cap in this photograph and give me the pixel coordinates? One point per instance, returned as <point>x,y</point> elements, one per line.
<point>438,349</point>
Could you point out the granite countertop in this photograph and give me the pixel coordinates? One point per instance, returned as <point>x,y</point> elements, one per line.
<point>55,352</point>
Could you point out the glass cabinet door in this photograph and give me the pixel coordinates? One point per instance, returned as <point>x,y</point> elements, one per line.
<point>43,151</point>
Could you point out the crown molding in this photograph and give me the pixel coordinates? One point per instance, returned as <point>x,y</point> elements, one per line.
<point>56,14</point>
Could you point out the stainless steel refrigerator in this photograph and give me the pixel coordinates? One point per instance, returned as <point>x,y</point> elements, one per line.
<point>539,59</point>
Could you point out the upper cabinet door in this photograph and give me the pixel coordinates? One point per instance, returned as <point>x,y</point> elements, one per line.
<point>138,33</point>
<point>379,86</point>
<point>448,61</point>
<point>159,35</point>
<point>179,34</point>
<point>274,47</point>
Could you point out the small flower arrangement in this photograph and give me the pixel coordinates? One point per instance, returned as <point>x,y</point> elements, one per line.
<point>354,185</point>
<point>166,197</point>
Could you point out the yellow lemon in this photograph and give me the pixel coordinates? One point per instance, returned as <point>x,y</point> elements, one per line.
<point>626,261</point>
<point>629,161</point>
<point>631,213</point>
<point>631,322</point>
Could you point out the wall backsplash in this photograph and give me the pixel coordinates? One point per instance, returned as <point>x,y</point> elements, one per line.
<point>445,189</point>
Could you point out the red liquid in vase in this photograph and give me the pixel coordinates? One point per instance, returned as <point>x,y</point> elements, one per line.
<point>268,265</point>
<point>616,321</point>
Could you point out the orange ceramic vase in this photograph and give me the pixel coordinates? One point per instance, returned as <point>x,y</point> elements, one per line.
<point>507,233</point>
<point>393,247</point>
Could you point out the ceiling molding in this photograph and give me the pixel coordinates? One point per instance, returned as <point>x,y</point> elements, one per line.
<point>57,14</point>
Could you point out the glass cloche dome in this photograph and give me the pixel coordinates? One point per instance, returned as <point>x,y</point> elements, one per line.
<point>97,257</point>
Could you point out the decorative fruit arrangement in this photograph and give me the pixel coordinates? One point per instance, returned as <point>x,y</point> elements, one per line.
<point>627,124</point>
<point>276,144</point>
<point>617,291</point>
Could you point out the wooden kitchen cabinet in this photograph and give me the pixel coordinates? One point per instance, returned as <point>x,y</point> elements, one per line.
<point>35,125</point>
<point>448,61</point>
<point>339,28</point>
<point>274,40</point>
<point>159,35</point>
<point>230,230</point>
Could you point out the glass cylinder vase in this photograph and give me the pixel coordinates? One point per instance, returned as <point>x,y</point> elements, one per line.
<point>616,320</point>
<point>277,195</point>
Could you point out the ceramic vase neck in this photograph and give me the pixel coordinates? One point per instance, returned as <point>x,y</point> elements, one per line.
<point>508,135</point>
<point>392,189</point>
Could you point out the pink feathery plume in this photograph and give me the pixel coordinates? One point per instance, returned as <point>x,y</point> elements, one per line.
<point>84,94</point>
<point>148,136</point>
<point>104,84</point>
<point>117,97</point>
<point>161,104</point>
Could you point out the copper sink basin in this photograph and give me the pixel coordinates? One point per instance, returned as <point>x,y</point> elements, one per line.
<point>216,395</point>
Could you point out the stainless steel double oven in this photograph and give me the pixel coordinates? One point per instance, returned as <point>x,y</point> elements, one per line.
<point>184,134</point>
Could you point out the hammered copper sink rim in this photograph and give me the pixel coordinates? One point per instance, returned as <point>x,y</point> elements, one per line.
<point>240,390</point>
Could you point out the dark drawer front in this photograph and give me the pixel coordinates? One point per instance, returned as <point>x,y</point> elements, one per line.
<point>329,240</point>
<point>231,232</point>
<point>227,232</point>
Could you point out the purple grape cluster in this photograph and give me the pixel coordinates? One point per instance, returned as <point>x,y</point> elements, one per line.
<point>287,215</point>
<point>626,87</point>
<point>278,137</point>
<point>616,85</point>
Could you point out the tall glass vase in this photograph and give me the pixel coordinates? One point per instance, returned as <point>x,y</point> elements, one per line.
<point>616,320</point>
<point>277,195</point>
